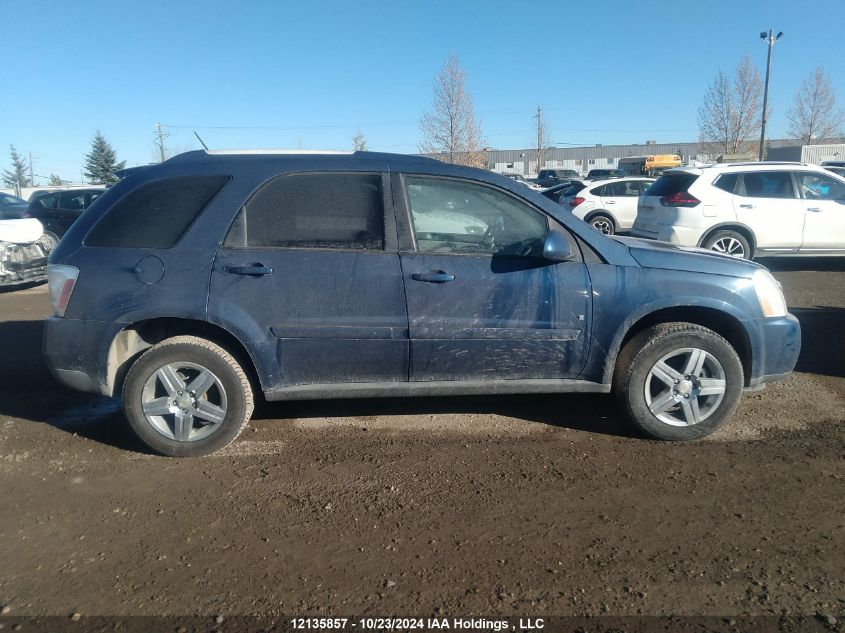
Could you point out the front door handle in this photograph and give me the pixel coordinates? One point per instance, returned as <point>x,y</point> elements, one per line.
<point>746,206</point>
<point>434,277</point>
<point>253,270</point>
<point>814,209</point>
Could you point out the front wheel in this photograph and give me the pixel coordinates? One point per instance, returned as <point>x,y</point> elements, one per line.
<point>678,381</point>
<point>186,397</point>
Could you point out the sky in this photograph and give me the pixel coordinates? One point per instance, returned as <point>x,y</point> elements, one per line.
<point>262,73</point>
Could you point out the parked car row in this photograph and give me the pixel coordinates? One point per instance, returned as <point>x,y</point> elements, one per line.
<point>747,209</point>
<point>56,210</point>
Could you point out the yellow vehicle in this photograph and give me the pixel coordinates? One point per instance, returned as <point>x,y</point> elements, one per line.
<point>652,165</point>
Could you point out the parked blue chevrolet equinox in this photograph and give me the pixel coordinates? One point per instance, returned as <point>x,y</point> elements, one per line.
<point>190,285</point>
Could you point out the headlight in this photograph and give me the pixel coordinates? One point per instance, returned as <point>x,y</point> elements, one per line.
<point>769,294</point>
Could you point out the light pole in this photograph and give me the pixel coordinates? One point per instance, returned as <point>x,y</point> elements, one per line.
<point>770,41</point>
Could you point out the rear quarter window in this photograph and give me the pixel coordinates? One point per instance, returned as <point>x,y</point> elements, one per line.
<point>666,185</point>
<point>156,214</point>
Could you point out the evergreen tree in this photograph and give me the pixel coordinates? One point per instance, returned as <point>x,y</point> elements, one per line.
<point>18,172</point>
<point>101,162</point>
<point>56,181</point>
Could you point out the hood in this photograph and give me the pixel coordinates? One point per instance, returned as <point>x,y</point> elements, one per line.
<point>656,254</point>
<point>24,231</point>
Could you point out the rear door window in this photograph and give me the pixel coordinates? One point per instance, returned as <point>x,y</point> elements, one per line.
<point>325,210</point>
<point>156,214</point>
<point>766,184</point>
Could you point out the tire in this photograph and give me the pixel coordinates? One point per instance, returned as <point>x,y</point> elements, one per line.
<point>651,362</point>
<point>602,223</point>
<point>212,415</point>
<point>729,243</point>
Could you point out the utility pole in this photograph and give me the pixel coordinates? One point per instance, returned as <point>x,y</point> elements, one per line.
<point>31,176</point>
<point>539,118</point>
<point>160,141</point>
<point>770,42</point>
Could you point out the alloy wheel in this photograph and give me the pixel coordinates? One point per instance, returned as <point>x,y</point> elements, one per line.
<point>184,401</point>
<point>730,246</point>
<point>685,387</point>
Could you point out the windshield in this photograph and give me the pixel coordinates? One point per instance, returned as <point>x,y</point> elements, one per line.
<point>6,200</point>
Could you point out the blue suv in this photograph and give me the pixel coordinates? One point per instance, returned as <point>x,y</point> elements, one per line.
<point>191,286</point>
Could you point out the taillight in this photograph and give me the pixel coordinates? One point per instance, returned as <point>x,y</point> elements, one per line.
<point>61,280</point>
<point>575,201</point>
<point>680,199</point>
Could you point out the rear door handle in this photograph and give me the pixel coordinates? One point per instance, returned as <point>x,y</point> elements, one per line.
<point>253,270</point>
<point>746,206</point>
<point>814,209</point>
<point>434,277</point>
<point>611,202</point>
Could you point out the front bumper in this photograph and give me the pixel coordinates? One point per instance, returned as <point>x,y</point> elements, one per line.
<point>77,352</point>
<point>777,350</point>
<point>22,264</point>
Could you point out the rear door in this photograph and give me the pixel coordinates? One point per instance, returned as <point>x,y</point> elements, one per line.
<point>766,201</point>
<point>823,198</point>
<point>482,303</point>
<point>620,198</point>
<point>310,271</point>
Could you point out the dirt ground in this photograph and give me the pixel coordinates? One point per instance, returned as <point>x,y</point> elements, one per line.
<point>507,505</point>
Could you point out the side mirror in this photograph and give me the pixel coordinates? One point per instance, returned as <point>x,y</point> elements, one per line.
<point>556,247</point>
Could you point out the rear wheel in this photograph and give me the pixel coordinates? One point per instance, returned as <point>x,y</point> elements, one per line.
<point>730,243</point>
<point>678,381</point>
<point>186,397</point>
<point>603,224</point>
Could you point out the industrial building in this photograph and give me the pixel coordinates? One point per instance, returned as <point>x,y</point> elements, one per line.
<point>583,159</point>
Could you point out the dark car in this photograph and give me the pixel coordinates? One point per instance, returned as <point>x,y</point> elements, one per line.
<point>192,286</point>
<point>57,210</point>
<point>565,188</point>
<point>552,177</point>
<point>12,207</point>
<point>603,174</point>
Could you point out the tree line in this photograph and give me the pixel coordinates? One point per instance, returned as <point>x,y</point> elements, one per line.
<point>730,115</point>
<point>100,167</point>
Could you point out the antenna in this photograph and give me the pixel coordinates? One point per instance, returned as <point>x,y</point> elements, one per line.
<point>200,140</point>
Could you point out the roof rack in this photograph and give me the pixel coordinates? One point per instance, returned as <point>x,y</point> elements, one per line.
<point>232,152</point>
<point>764,162</point>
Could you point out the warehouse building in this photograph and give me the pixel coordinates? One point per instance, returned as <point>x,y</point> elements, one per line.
<point>583,159</point>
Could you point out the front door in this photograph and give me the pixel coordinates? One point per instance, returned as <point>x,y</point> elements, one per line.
<point>309,274</point>
<point>482,302</point>
<point>823,199</point>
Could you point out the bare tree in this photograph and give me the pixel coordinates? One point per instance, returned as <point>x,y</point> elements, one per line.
<point>542,138</point>
<point>730,114</point>
<point>451,131</point>
<point>813,115</point>
<point>359,142</point>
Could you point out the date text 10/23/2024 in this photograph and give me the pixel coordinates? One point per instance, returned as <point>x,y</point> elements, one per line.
<point>420,624</point>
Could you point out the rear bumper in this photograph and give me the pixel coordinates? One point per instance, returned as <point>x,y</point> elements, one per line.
<point>77,352</point>
<point>682,235</point>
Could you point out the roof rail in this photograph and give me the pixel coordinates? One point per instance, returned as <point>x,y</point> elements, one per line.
<point>764,162</point>
<point>235,152</point>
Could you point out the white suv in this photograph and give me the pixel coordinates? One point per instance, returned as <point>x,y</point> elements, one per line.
<point>747,209</point>
<point>609,206</point>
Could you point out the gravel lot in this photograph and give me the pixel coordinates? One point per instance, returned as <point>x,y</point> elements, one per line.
<point>509,505</point>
